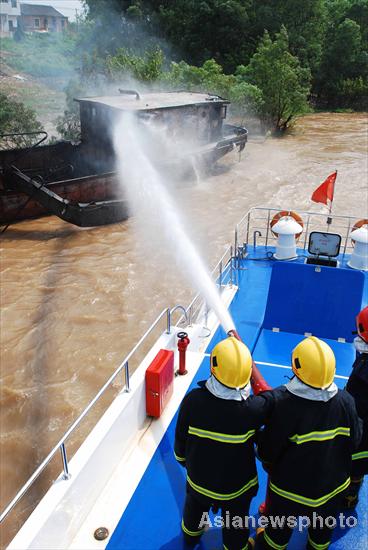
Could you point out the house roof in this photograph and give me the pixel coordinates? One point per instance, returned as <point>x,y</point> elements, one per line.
<point>39,10</point>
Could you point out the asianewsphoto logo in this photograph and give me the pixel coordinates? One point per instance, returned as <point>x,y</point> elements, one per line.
<point>277,522</point>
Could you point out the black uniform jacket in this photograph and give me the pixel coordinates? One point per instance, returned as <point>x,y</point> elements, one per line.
<point>309,446</point>
<point>357,386</point>
<point>214,438</point>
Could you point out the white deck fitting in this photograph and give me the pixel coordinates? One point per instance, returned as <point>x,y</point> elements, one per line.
<point>108,466</point>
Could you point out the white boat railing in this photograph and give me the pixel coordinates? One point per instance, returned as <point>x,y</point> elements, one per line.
<point>222,273</point>
<point>254,228</point>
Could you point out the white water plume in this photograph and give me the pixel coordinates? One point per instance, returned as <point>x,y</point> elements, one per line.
<point>149,199</point>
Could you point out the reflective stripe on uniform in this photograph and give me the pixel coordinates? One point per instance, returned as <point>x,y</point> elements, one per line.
<point>320,436</point>
<point>191,533</point>
<point>314,502</point>
<point>179,458</point>
<point>273,544</point>
<point>318,546</point>
<point>222,438</point>
<point>222,496</point>
<point>358,456</point>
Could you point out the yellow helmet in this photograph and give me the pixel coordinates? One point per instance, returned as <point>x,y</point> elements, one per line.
<point>313,362</point>
<point>231,363</point>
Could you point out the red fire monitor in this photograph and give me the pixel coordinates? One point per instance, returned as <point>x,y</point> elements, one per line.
<point>159,382</point>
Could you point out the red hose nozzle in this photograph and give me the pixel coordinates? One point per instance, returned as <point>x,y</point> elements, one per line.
<point>259,384</point>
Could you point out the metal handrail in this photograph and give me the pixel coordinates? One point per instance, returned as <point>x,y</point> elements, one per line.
<point>60,445</point>
<point>169,314</point>
<point>253,221</point>
<point>24,152</point>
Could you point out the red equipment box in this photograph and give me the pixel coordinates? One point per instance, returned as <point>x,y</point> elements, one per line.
<point>159,382</point>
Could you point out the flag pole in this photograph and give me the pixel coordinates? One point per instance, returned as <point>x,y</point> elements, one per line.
<point>329,218</point>
<point>325,194</point>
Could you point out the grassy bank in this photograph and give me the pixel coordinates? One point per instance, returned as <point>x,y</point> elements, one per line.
<point>41,55</point>
<point>47,103</point>
<point>35,72</point>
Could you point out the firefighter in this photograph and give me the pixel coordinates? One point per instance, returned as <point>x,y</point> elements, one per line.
<point>214,441</point>
<point>307,447</point>
<point>357,386</point>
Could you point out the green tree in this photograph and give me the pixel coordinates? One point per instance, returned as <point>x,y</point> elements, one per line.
<point>343,77</point>
<point>16,118</point>
<point>207,78</point>
<point>245,98</point>
<point>201,30</point>
<point>99,8</point>
<point>284,84</point>
<point>196,30</point>
<point>68,126</point>
<point>115,24</point>
<point>305,23</point>
<point>358,12</point>
<point>146,68</point>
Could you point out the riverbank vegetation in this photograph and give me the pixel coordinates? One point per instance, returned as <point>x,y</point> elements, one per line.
<point>17,122</point>
<point>274,59</point>
<point>327,38</point>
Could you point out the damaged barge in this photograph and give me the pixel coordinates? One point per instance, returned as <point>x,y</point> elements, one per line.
<point>78,182</point>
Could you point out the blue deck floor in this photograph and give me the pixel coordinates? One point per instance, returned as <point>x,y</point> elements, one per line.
<point>152,518</point>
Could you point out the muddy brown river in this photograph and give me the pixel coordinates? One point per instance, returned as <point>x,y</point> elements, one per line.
<point>74,302</point>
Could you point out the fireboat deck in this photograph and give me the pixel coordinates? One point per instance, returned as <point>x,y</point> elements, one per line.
<point>152,518</point>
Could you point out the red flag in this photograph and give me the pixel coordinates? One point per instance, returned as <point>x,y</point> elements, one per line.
<point>325,191</point>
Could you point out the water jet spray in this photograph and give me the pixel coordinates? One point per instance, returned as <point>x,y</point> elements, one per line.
<point>149,198</point>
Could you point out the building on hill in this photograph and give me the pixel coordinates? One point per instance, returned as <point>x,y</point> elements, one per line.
<point>41,18</point>
<point>9,13</point>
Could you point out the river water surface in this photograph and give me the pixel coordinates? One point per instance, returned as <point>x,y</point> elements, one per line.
<point>74,302</point>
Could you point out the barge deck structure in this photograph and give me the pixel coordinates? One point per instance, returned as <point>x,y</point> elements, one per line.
<point>78,182</point>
